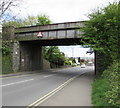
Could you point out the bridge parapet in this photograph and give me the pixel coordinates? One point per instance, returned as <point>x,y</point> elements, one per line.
<point>57,26</point>
<point>51,31</point>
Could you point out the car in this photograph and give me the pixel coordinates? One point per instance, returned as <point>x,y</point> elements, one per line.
<point>83,66</point>
<point>90,64</point>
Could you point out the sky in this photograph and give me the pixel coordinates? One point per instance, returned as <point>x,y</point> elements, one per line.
<point>75,51</point>
<point>63,11</point>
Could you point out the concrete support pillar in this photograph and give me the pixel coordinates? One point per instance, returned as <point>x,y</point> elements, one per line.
<point>16,56</point>
<point>8,33</point>
<point>99,58</point>
<point>30,57</point>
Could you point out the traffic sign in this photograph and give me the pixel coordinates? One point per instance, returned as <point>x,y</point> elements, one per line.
<point>39,34</point>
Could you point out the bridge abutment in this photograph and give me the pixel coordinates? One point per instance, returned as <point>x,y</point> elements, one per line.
<point>16,56</point>
<point>31,57</point>
<point>24,56</point>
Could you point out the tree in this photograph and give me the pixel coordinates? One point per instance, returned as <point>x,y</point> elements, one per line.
<point>43,20</point>
<point>7,5</point>
<point>54,56</point>
<point>29,21</point>
<point>79,59</point>
<point>15,23</point>
<point>73,60</point>
<point>101,32</point>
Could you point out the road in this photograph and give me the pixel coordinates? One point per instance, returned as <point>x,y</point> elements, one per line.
<point>24,90</point>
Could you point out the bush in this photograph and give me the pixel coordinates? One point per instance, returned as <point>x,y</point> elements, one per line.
<point>67,62</point>
<point>5,49</point>
<point>100,87</point>
<point>6,64</point>
<point>106,89</point>
<point>112,75</point>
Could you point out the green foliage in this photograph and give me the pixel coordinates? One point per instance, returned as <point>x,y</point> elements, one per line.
<point>113,76</point>
<point>107,87</point>
<point>6,64</point>
<point>29,21</point>
<point>15,23</point>
<point>73,60</point>
<point>67,62</point>
<point>53,55</point>
<point>6,58</point>
<point>100,87</point>
<point>101,32</point>
<point>43,20</point>
<point>5,50</point>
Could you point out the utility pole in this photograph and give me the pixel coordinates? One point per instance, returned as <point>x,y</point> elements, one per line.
<point>72,51</point>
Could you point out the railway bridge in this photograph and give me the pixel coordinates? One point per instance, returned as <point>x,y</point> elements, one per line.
<point>27,42</point>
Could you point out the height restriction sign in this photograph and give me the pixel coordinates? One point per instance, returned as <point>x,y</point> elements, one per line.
<point>39,34</point>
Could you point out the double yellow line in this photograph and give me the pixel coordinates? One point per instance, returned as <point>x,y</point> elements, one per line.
<point>45,97</point>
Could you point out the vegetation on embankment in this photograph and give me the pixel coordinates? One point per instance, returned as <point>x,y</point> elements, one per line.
<point>6,58</point>
<point>106,90</point>
<point>101,33</point>
<point>6,64</point>
<point>54,56</point>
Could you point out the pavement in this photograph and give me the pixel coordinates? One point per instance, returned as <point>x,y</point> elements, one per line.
<point>76,93</point>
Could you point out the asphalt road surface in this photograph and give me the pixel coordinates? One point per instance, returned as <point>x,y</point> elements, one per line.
<point>24,90</point>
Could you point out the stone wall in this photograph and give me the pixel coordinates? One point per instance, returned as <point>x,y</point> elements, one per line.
<point>46,64</point>
<point>16,56</point>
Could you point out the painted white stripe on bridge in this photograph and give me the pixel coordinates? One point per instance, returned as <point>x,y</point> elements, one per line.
<point>17,82</point>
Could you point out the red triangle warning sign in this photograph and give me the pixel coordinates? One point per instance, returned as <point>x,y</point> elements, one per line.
<point>39,34</point>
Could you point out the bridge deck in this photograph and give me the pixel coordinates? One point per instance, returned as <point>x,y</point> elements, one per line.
<point>51,31</point>
<point>49,27</point>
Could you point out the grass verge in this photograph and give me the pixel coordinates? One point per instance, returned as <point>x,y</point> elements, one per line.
<point>6,64</point>
<point>105,89</point>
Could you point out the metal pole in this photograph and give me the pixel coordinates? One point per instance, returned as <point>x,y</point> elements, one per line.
<point>72,51</point>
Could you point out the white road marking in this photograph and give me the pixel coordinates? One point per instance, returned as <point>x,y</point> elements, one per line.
<point>17,82</point>
<point>48,75</point>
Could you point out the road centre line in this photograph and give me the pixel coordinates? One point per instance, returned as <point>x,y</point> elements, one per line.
<point>48,95</point>
<point>17,82</point>
<point>48,75</point>
<point>14,76</point>
<point>20,75</point>
<point>29,74</point>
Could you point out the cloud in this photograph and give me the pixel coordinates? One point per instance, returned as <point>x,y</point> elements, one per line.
<point>62,10</point>
<point>75,51</point>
